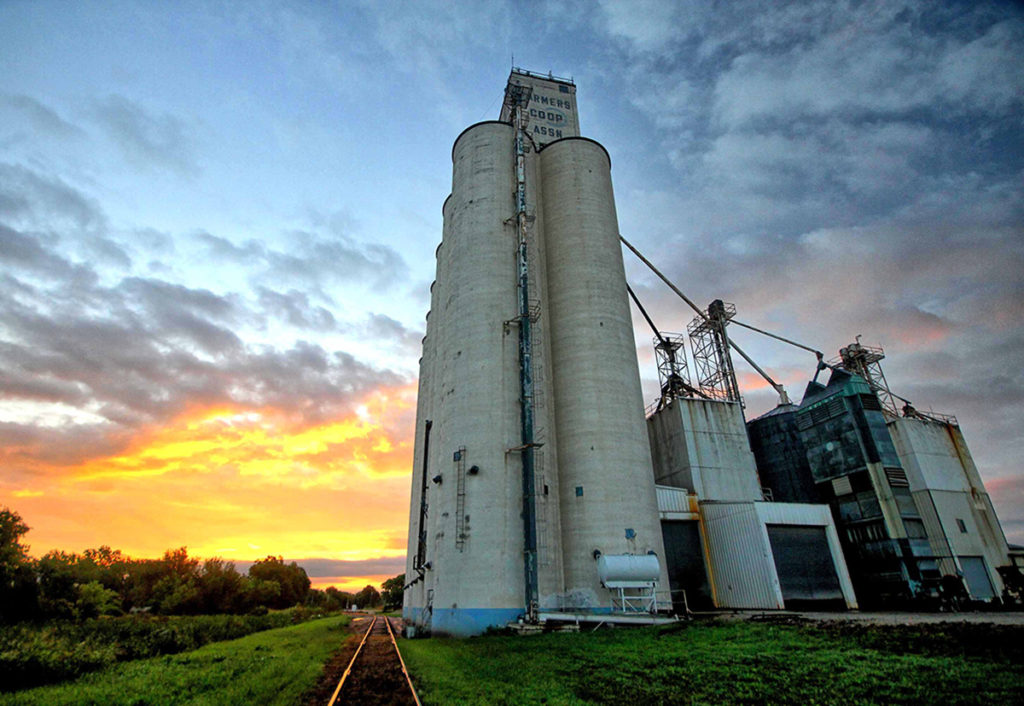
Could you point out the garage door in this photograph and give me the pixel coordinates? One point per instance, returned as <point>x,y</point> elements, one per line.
<point>804,564</point>
<point>978,583</point>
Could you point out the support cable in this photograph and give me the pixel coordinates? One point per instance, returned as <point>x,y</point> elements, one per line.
<point>661,339</point>
<point>783,397</point>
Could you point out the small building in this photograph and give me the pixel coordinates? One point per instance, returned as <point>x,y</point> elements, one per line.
<point>854,466</point>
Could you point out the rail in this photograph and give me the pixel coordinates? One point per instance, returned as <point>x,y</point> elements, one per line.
<point>349,669</point>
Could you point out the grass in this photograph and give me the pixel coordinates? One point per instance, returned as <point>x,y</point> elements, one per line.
<point>271,667</point>
<point>732,663</point>
<point>36,654</point>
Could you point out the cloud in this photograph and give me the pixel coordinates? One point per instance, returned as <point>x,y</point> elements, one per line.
<point>29,199</point>
<point>297,310</point>
<point>644,24</point>
<point>148,140</point>
<point>136,352</point>
<point>384,328</point>
<point>335,568</point>
<point>41,118</point>
<point>314,259</point>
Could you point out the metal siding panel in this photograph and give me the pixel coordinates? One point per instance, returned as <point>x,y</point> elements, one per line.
<point>741,561</point>
<point>672,499</point>
<point>976,575</point>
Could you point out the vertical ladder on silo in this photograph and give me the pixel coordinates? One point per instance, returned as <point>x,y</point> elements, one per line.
<point>460,498</point>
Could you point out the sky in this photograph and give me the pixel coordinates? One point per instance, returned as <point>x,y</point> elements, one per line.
<point>218,222</point>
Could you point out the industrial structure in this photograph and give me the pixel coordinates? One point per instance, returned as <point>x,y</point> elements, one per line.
<point>541,489</point>
<point>531,460</point>
<point>903,488</point>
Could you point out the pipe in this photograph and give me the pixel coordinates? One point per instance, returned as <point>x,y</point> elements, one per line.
<point>819,354</point>
<point>525,376</point>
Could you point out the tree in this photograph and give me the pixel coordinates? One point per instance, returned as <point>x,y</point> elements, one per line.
<point>291,578</point>
<point>57,574</point>
<point>94,600</point>
<point>338,600</point>
<point>18,593</point>
<point>220,587</point>
<point>391,595</point>
<point>367,597</point>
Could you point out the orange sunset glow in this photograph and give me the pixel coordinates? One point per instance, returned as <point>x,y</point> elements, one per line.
<point>240,484</point>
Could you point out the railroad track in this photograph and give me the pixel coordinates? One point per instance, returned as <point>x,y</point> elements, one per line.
<point>376,673</point>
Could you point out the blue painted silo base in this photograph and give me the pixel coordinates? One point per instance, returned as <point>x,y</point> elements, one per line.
<point>465,622</point>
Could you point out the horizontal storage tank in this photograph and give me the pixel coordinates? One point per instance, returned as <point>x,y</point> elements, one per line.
<point>628,570</point>
<point>606,484</point>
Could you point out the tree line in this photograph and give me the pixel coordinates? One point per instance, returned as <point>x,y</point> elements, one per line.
<point>104,581</point>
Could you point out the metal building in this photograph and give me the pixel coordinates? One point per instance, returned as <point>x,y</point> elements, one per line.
<point>904,491</point>
<point>531,460</point>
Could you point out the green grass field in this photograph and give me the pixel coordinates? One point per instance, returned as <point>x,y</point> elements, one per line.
<point>272,667</point>
<point>732,663</point>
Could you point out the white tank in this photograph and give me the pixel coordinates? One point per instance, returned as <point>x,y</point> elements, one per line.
<point>607,497</point>
<point>628,570</point>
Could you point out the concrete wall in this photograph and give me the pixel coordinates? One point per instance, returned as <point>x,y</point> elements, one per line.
<point>606,482</point>
<point>702,445</point>
<point>550,575</point>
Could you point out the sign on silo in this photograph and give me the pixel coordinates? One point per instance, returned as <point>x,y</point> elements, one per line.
<point>552,108</point>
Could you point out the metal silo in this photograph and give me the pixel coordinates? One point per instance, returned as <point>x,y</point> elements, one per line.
<point>606,485</point>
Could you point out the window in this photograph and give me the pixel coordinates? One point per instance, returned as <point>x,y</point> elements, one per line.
<point>915,529</point>
<point>962,525</point>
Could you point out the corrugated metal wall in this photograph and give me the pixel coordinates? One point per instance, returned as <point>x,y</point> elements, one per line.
<point>742,568</point>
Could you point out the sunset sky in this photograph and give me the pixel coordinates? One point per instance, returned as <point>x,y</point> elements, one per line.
<point>218,223</point>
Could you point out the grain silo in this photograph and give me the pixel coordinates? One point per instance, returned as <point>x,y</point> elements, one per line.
<point>532,481</point>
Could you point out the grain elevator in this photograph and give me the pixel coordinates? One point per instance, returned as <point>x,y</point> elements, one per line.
<point>532,486</point>
<point>543,491</point>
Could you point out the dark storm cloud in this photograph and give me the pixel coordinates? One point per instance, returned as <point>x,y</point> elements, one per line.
<point>340,569</point>
<point>146,139</point>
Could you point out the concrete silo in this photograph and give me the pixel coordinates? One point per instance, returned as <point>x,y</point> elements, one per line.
<point>607,498</point>
<point>531,459</point>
